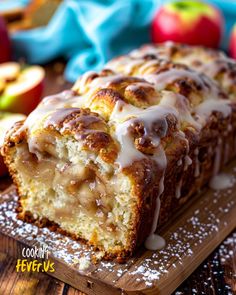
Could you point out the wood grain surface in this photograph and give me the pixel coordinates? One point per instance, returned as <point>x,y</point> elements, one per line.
<point>211,277</point>
<point>217,275</point>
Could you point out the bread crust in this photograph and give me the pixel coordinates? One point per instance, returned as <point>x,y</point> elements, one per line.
<point>190,154</point>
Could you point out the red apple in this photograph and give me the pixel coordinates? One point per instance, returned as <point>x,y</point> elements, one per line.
<point>6,122</point>
<point>23,94</point>
<point>191,22</point>
<point>232,44</point>
<point>5,48</point>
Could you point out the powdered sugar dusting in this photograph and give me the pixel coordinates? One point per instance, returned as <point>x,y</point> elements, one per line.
<point>198,227</point>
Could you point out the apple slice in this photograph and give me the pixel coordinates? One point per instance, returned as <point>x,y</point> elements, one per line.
<point>23,94</point>
<point>9,71</point>
<point>6,122</point>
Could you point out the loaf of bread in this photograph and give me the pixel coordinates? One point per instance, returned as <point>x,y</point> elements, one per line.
<point>111,160</point>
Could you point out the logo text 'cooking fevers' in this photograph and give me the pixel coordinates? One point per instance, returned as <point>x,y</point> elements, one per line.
<point>35,260</point>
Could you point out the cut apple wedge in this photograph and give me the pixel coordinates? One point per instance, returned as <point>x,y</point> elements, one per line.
<point>9,71</point>
<point>6,122</point>
<point>23,94</point>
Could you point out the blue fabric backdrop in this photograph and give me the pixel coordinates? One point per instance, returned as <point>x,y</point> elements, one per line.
<point>6,5</point>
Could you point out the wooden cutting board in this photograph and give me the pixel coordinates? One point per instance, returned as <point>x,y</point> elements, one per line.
<point>190,237</point>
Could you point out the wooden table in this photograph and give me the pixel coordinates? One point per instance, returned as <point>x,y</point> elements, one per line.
<point>217,275</point>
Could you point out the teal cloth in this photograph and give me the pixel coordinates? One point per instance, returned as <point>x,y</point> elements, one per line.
<point>88,33</point>
<point>6,5</point>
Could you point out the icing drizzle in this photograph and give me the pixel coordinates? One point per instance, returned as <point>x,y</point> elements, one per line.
<point>125,116</point>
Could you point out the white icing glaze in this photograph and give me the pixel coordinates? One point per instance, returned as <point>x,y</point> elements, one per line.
<point>221,181</point>
<point>128,153</point>
<point>178,189</point>
<point>180,103</point>
<point>157,207</point>
<point>160,157</point>
<point>96,83</point>
<point>58,116</point>
<point>81,83</point>
<point>213,67</point>
<point>217,160</point>
<point>137,53</point>
<point>126,63</point>
<point>48,105</point>
<point>197,163</point>
<point>33,147</point>
<point>132,64</point>
<point>226,152</point>
<point>147,65</point>
<point>155,242</point>
<point>103,82</point>
<point>123,111</point>
<point>161,80</point>
<point>205,109</point>
<point>187,162</point>
<point>158,52</point>
<point>180,162</point>
<point>138,85</point>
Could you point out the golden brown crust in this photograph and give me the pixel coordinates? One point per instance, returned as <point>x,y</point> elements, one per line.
<point>88,127</point>
<point>82,124</point>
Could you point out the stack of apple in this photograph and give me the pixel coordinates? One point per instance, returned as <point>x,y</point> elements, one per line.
<point>192,22</point>
<point>20,88</point>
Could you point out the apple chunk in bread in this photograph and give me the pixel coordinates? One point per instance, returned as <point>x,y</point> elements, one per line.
<point>22,90</point>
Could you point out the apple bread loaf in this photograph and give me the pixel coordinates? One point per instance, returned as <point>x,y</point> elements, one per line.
<point>109,161</point>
